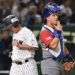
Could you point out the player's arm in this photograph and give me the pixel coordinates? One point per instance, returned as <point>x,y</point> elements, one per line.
<point>25,46</point>
<point>48,39</point>
<point>54,43</point>
<point>68,55</point>
<point>57,34</point>
<point>66,51</point>
<point>30,42</point>
<point>68,61</point>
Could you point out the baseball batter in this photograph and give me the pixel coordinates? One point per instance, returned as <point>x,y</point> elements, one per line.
<point>51,39</point>
<point>24,45</point>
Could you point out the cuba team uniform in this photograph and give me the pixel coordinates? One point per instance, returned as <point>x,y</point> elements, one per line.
<point>22,60</point>
<point>51,63</point>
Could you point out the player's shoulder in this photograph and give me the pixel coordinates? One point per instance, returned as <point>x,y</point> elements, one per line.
<point>45,33</point>
<point>27,30</point>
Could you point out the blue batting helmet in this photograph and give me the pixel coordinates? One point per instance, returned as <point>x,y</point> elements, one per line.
<point>50,9</point>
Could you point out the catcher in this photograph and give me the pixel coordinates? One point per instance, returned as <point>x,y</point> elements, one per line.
<point>52,41</point>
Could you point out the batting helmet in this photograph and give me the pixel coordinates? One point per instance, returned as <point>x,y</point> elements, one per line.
<point>50,9</point>
<point>10,20</point>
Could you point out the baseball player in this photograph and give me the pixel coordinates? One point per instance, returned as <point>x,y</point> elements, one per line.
<point>24,45</point>
<point>51,39</point>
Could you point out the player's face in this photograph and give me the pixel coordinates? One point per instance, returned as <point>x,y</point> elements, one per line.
<point>52,19</point>
<point>13,29</point>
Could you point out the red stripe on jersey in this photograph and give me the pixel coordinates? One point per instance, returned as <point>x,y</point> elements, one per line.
<point>46,37</point>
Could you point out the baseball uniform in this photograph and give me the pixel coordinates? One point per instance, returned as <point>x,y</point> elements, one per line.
<point>22,60</point>
<point>50,65</point>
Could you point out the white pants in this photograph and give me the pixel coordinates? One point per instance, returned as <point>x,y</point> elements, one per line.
<point>28,68</point>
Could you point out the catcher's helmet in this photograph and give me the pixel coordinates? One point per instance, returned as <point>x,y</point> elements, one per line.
<point>50,9</point>
<point>10,20</point>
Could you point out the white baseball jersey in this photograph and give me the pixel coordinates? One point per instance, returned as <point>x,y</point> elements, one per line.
<point>28,37</point>
<point>26,68</point>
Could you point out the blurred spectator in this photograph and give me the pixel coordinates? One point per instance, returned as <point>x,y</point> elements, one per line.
<point>66,10</point>
<point>1,15</point>
<point>30,20</point>
<point>5,9</point>
<point>24,1</point>
<point>33,17</point>
<point>59,2</point>
<point>48,1</point>
<point>5,48</point>
<point>20,9</point>
<point>36,1</point>
<point>30,17</point>
<point>40,7</point>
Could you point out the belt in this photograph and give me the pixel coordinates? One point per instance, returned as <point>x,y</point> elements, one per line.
<point>20,62</point>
